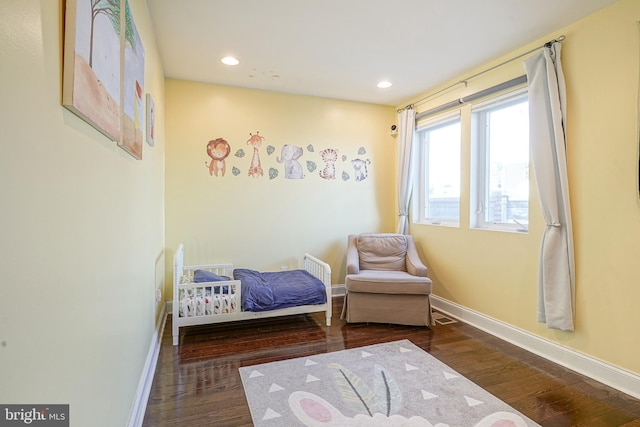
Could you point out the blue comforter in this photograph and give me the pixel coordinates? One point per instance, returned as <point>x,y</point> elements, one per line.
<point>263,291</point>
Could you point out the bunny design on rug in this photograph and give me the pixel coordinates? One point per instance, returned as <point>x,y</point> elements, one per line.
<point>314,411</point>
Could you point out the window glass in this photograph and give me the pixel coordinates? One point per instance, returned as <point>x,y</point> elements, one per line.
<point>501,139</point>
<point>440,165</point>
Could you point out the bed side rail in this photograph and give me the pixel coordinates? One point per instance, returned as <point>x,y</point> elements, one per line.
<point>218,269</point>
<point>208,298</point>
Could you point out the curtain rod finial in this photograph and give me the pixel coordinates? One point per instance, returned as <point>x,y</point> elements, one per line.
<point>556,40</point>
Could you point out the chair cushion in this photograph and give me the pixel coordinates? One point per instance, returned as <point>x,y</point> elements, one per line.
<point>387,282</point>
<point>382,251</point>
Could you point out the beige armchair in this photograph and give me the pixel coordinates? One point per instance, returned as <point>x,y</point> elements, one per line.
<point>386,281</point>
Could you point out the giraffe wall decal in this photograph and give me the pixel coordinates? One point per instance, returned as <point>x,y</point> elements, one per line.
<point>255,170</point>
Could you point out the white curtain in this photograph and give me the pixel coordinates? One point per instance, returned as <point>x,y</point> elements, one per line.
<point>406,127</point>
<point>547,114</point>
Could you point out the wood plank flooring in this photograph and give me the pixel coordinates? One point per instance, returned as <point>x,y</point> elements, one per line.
<point>198,384</point>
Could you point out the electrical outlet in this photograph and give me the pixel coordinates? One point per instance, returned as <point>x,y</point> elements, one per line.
<point>158,295</point>
<point>284,268</point>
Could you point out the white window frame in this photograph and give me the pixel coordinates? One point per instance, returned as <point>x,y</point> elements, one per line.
<point>421,190</point>
<point>479,169</point>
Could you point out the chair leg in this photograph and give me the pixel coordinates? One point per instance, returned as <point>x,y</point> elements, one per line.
<point>343,315</point>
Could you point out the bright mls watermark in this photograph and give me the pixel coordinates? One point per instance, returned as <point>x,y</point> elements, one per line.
<point>34,415</point>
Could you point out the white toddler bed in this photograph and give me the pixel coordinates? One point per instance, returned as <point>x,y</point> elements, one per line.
<point>220,301</point>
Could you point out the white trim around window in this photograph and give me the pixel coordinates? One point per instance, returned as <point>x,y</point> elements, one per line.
<point>437,193</point>
<point>499,197</point>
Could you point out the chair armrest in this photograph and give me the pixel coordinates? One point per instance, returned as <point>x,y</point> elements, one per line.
<point>415,266</point>
<point>353,260</point>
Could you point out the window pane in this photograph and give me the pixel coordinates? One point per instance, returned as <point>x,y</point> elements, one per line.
<point>443,172</point>
<point>508,164</point>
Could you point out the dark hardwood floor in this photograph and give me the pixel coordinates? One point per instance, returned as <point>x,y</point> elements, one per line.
<point>198,384</point>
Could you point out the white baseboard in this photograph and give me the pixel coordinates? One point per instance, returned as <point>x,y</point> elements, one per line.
<point>613,376</point>
<point>338,290</point>
<point>146,379</point>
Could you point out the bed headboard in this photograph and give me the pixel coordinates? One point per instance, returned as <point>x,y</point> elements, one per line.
<point>178,264</point>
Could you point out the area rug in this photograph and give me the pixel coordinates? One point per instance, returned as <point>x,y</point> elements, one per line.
<point>391,384</point>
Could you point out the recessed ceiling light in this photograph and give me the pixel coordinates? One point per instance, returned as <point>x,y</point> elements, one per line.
<point>230,60</point>
<point>384,84</point>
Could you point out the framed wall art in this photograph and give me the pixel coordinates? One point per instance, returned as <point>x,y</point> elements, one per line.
<point>132,86</point>
<point>151,120</point>
<point>103,80</point>
<point>91,83</point>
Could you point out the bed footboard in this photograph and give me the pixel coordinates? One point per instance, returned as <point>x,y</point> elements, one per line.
<point>322,271</point>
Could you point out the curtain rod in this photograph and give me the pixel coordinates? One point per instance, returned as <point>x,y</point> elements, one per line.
<point>465,81</point>
<point>486,92</point>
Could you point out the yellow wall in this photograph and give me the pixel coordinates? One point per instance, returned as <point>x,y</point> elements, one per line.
<point>496,273</point>
<point>82,228</point>
<point>83,223</point>
<point>263,223</point>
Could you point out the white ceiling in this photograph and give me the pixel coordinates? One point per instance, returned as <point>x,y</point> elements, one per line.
<point>341,48</point>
